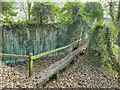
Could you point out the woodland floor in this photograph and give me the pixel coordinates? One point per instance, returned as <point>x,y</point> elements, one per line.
<point>79,74</point>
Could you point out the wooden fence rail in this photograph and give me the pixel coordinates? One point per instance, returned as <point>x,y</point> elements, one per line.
<point>52,51</point>
<point>13,55</point>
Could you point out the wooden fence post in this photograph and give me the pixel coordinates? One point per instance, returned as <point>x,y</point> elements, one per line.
<point>30,65</point>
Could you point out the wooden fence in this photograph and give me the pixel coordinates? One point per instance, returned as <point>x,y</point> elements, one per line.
<point>38,39</point>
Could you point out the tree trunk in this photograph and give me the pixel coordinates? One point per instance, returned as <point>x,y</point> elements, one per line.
<point>29,10</point>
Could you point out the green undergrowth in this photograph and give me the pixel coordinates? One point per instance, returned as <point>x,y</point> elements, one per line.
<point>102,50</point>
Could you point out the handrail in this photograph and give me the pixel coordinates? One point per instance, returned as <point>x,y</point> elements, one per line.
<point>13,55</point>
<point>52,51</point>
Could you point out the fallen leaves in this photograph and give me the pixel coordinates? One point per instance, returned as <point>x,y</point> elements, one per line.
<point>79,74</point>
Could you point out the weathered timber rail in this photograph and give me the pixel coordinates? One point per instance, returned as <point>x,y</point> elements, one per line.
<point>52,51</point>
<point>54,69</point>
<point>13,55</point>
